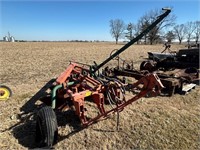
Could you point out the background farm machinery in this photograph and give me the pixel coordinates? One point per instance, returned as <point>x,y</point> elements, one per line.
<point>178,72</point>
<point>81,83</point>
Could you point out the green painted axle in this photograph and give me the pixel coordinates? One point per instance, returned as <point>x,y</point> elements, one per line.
<point>53,93</point>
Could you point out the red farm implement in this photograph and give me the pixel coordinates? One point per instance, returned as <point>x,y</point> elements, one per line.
<point>81,82</point>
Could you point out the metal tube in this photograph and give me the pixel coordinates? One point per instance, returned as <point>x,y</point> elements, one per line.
<point>53,94</point>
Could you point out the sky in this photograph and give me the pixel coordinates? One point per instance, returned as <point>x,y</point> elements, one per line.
<point>81,19</point>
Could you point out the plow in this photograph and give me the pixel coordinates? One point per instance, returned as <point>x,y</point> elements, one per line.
<point>81,82</point>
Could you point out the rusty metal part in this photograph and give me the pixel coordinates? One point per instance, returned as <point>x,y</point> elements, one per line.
<point>172,80</point>
<point>2,92</point>
<point>99,91</point>
<point>175,70</point>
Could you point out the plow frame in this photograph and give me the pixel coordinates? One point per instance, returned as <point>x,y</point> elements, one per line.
<point>77,89</point>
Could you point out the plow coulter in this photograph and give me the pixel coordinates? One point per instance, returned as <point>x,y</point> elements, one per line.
<point>80,83</point>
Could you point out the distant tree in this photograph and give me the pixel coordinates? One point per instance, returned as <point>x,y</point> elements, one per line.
<point>136,31</point>
<point>154,35</point>
<point>130,27</point>
<point>197,31</point>
<point>179,32</point>
<point>117,28</point>
<point>170,36</point>
<point>189,30</point>
<point>149,18</point>
<point>144,23</point>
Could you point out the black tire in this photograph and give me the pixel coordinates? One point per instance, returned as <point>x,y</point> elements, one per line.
<point>46,128</point>
<point>147,65</point>
<point>142,65</point>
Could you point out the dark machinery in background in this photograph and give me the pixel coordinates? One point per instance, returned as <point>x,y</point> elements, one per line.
<point>178,72</point>
<point>181,69</point>
<point>184,58</point>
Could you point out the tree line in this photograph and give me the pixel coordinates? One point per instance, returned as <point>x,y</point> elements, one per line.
<point>166,30</point>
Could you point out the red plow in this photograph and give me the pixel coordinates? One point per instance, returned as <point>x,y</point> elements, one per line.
<point>81,82</point>
<point>75,84</point>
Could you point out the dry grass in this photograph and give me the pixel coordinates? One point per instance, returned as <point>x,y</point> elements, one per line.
<point>150,123</point>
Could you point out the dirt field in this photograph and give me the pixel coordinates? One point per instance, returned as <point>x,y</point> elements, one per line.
<point>149,123</point>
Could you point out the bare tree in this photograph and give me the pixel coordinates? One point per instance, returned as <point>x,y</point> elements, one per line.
<point>117,28</point>
<point>136,31</point>
<point>144,23</point>
<point>170,36</point>
<point>130,27</point>
<point>197,31</point>
<point>179,32</point>
<point>149,18</point>
<point>189,30</point>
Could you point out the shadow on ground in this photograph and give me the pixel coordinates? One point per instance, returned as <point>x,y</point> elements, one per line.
<point>24,130</point>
